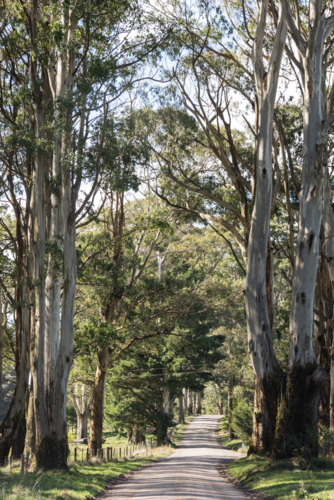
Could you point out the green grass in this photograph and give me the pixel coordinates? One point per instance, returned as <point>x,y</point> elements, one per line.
<point>235,444</point>
<point>288,479</point>
<point>82,480</point>
<point>112,439</point>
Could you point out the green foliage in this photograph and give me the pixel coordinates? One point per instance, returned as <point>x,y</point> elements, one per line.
<point>326,442</point>
<point>242,421</point>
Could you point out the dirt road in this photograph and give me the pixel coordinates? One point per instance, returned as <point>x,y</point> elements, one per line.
<point>190,473</point>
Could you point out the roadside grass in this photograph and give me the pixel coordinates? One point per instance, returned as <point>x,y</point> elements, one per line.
<point>179,430</point>
<point>235,444</point>
<point>82,480</point>
<point>286,479</point>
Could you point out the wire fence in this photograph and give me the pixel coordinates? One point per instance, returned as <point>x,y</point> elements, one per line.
<point>108,454</point>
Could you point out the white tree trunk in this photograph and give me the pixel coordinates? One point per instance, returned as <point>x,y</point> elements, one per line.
<point>51,357</point>
<point>166,393</point>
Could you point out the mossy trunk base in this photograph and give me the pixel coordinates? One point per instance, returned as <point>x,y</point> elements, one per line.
<point>52,454</point>
<point>298,415</point>
<point>264,416</point>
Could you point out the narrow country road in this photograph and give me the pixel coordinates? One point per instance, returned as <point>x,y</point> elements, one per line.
<point>190,473</point>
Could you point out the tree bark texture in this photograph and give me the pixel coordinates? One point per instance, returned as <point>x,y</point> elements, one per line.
<point>230,408</point>
<point>297,422</point>
<point>166,393</point>
<point>96,419</point>
<point>190,402</point>
<point>80,403</point>
<point>199,403</point>
<point>51,338</point>
<point>263,358</point>
<point>181,413</point>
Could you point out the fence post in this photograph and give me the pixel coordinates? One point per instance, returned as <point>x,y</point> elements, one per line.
<point>75,454</point>
<point>82,455</point>
<point>102,453</point>
<point>87,455</point>
<point>110,453</point>
<point>10,463</point>
<point>22,464</point>
<point>5,464</point>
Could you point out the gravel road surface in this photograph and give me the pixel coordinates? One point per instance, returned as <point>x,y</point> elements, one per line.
<point>190,473</point>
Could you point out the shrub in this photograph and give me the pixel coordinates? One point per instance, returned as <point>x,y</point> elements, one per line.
<point>70,438</point>
<point>326,442</point>
<point>242,421</point>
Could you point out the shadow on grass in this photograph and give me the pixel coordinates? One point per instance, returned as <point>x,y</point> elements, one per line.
<point>286,479</point>
<point>79,482</point>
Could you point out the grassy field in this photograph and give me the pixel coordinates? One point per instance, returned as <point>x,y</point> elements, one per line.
<point>82,480</point>
<point>288,479</point>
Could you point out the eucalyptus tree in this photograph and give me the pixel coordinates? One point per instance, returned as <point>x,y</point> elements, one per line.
<point>215,165</point>
<point>68,64</point>
<point>16,317</point>
<point>304,376</point>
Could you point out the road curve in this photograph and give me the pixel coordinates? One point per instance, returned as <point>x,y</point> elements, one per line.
<point>190,473</point>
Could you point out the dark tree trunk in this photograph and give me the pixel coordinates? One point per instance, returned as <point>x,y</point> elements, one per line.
<point>297,423</point>
<point>96,419</point>
<point>263,425</point>
<point>220,406</point>
<point>82,426</point>
<point>190,402</point>
<point>19,438</point>
<point>230,408</point>
<point>181,413</point>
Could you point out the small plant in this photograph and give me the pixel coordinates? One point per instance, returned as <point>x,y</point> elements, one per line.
<point>242,421</point>
<point>326,442</point>
<point>70,438</point>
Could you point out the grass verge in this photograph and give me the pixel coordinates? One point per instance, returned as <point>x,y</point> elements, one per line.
<point>235,444</point>
<point>179,430</point>
<point>82,480</point>
<point>286,479</point>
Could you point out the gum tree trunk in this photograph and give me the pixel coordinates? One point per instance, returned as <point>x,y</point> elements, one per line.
<point>52,323</point>
<point>328,247</point>
<point>80,403</point>
<point>260,345</point>
<point>190,402</point>
<point>13,427</point>
<point>96,419</point>
<point>181,413</point>
<point>199,403</point>
<point>220,406</point>
<point>166,393</point>
<point>185,401</point>
<point>297,425</point>
<point>230,408</point>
